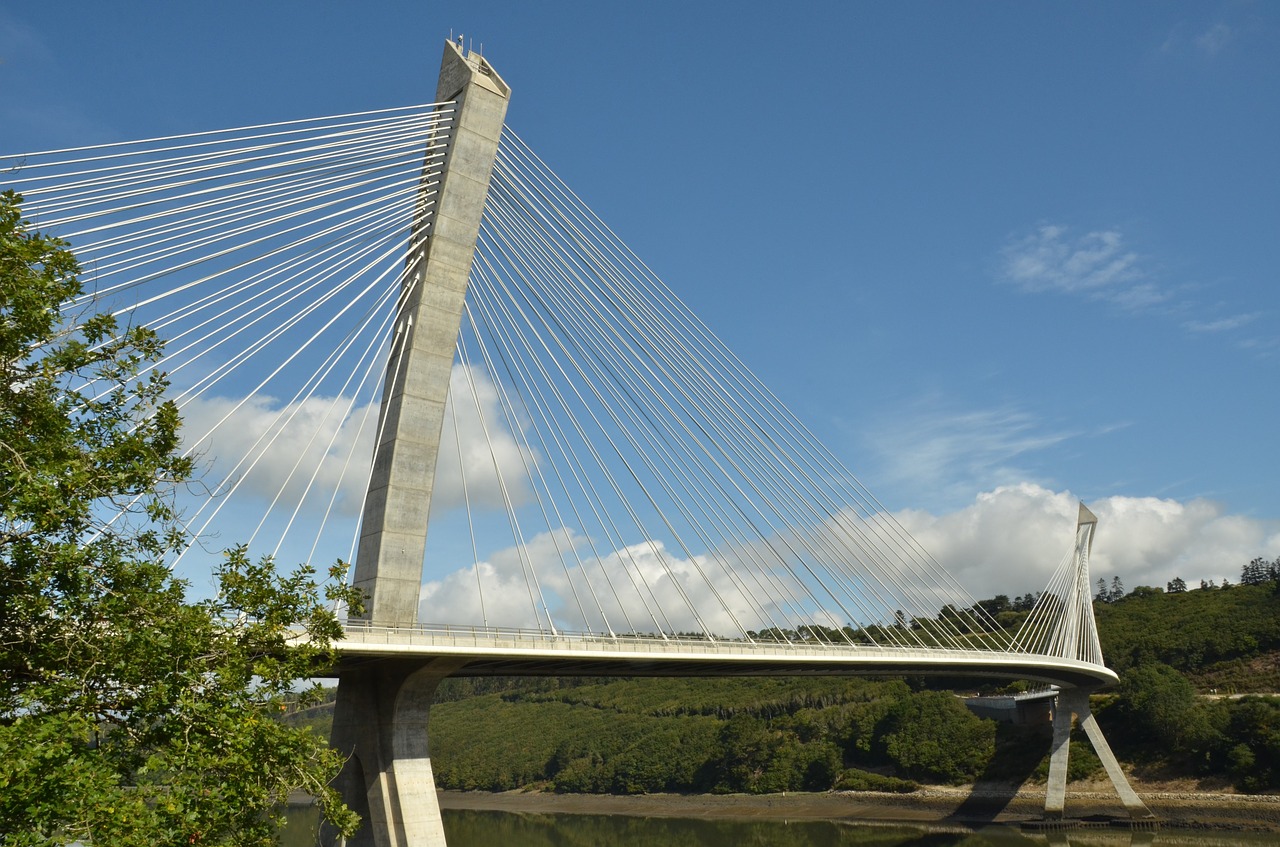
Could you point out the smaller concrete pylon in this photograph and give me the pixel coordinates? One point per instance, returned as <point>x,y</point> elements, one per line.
<point>1073,703</point>
<point>1078,638</point>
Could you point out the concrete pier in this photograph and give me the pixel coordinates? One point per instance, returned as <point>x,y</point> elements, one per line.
<point>1073,704</point>
<point>380,725</point>
<point>380,718</point>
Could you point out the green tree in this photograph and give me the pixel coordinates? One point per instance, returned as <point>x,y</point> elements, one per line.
<point>930,735</point>
<point>130,714</point>
<point>1160,705</point>
<point>996,605</point>
<point>1260,572</point>
<point>1253,759</point>
<point>747,749</point>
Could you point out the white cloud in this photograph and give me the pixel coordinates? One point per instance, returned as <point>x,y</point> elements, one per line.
<point>273,448</point>
<point>494,466</point>
<point>325,444</point>
<point>642,587</point>
<point>1213,40</point>
<point>1221,324</point>
<point>1096,265</point>
<point>1099,266</point>
<point>1209,42</point>
<point>1009,541</point>
<point>951,451</point>
<point>1006,541</point>
<point>1264,347</point>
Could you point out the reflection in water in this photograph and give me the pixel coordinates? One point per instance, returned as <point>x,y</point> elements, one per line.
<point>1136,838</point>
<point>467,828</point>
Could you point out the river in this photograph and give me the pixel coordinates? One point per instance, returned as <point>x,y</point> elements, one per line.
<point>468,828</point>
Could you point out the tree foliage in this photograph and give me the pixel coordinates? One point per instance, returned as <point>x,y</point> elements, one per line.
<point>129,713</point>
<point>1261,572</point>
<point>773,735</point>
<point>1190,630</point>
<point>1164,721</point>
<point>754,736</point>
<point>932,736</point>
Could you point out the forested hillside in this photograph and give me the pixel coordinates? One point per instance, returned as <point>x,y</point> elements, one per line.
<point>1224,638</point>
<point>705,735</point>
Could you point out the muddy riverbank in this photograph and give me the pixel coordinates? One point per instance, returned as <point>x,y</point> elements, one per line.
<point>1173,804</point>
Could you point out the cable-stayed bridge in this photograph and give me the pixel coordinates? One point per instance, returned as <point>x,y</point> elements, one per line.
<point>398,338</point>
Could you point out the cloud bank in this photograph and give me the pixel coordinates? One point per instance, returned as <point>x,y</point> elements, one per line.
<point>558,575</point>
<point>1006,541</point>
<point>1010,540</point>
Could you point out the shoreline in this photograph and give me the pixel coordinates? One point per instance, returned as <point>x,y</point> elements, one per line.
<point>934,805</point>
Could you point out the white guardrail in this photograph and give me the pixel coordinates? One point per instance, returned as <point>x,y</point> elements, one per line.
<point>501,638</point>
<point>487,640</point>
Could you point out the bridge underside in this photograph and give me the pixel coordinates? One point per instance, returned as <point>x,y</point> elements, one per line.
<point>738,660</point>
<point>636,668</point>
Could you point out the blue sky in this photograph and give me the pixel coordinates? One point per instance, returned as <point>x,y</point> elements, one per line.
<point>999,256</point>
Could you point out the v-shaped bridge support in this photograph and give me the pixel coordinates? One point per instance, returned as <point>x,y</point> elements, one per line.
<point>1073,703</point>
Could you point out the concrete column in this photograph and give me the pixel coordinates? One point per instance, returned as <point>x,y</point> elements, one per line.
<point>380,724</point>
<point>380,718</point>
<point>1129,797</point>
<point>1073,702</point>
<point>1055,797</point>
<point>393,531</point>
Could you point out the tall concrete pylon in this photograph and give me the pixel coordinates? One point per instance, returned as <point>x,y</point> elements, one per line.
<point>380,718</point>
<point>393,530</point>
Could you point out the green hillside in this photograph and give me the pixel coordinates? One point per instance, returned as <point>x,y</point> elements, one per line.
<point>1225,638</point>
<point>704,735</point>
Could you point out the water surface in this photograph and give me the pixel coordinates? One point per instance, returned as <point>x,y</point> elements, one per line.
<point>469,828</point>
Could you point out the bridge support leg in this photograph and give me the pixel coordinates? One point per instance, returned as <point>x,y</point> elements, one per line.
<point>1055,797</point>
<point>380,724</point>
<point>1074,702</point>
<point>1130,798</point>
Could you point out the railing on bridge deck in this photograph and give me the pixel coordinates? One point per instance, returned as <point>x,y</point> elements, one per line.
<point>456,636</point>
<point>481,636</point>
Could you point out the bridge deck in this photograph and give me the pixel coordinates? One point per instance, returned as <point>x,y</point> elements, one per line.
<point>510,652</point>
